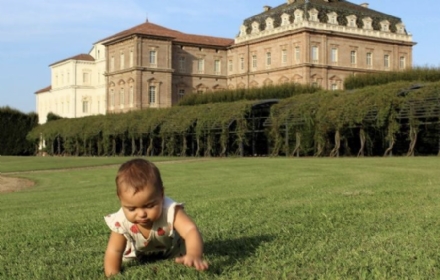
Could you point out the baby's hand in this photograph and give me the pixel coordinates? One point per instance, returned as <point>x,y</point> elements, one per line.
<point>197,262</point>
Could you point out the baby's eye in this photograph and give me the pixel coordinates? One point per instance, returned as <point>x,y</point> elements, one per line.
<point>149,206</point>
<point>130,209</point>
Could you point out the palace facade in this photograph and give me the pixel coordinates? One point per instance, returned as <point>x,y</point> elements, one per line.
<point>318,42</point>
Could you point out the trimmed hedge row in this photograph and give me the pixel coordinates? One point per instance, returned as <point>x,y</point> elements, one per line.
<point>375,120</point>
<point>14,126</point>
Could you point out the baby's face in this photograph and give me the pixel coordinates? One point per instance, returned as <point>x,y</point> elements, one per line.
<point>143,207</point>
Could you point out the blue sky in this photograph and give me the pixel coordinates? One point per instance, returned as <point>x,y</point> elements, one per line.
<point>37,33</point>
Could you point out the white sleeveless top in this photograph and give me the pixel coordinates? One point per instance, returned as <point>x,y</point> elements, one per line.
<point>163,240</point>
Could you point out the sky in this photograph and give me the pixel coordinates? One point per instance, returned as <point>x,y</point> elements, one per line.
<point>37,33</point>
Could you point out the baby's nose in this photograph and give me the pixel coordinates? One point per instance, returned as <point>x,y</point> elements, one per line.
<point>142,213</point>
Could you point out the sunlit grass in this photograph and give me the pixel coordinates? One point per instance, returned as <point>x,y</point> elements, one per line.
<point>261,218</point>
<point>17,164</point>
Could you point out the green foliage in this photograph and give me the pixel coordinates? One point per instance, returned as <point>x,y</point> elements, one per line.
<point>266,92</point>
<point>85,136</point>
<point>52,117</point>
<point>14,126</point>
<point>326,112</point>
<point>416,74</point>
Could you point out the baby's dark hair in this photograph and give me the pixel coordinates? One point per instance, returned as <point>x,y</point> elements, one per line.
<point>138,174</point>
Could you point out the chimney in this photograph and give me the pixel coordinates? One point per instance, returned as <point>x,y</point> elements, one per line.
<point>365,5</point>
<point>267,8</point>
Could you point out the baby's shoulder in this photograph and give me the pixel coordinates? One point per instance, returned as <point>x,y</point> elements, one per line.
<point>117,222</point>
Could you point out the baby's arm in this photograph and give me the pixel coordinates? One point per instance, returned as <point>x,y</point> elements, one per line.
<point>113,254</point>
<point>187,229</point>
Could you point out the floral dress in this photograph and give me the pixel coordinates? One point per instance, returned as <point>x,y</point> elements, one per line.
<point>163,241</point>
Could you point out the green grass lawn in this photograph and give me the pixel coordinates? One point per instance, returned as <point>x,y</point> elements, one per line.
<point>19,164</point>
<point>261,218</point>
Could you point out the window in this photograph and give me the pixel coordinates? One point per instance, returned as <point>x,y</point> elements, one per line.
<point>352,23</point>
<point>353,57</point>
<point>315,54</point>
<point>152,94</point>
<point>284,56</point>
<point>367,23</point>
<point>217,69</point>
<point>181,93</point>
<point>334,86</point>
<point>386,61</point>
<point>242,63</point>
<point>182,64</point>
<point>254,61</point>
<point>334,55</point>
<point>269,25</point>
<point>99,54</point>
<point>230,65</point>
<point>201,65</point>
<point>268,58</point>
<point>122,97</point>
<point>153,57</point>
<point>369,59</point>
<point>332,18</point>
<point>285,20</point>
<point>86,79</point>
<point>255,27</point>
<point>131,58</point>
<point>402,62</point>
<point>112,63</point>
<point>122,60</point>
<point>243,30</point>
<point>297,54</point>
<point>131,96</point>
<point>112,98</point>
<point>85,106</point>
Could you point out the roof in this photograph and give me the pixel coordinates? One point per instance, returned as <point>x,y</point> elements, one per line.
<point>341,7</point>
<point>46,89</point>
<point>151,29</point>
<point>84,57</point>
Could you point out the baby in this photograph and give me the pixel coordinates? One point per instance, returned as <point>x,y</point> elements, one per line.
<point>149,225</point>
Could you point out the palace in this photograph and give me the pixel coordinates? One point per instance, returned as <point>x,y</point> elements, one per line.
<point>318,42</point>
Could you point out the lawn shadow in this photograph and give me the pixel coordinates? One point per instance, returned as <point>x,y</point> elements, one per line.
<point>231,251</point>
<point>221,253</point>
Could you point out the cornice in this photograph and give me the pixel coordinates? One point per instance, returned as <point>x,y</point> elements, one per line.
<point>324,27</point>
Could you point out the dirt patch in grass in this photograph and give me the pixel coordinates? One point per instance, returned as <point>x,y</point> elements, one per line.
<point>12,184</point>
